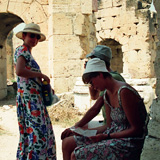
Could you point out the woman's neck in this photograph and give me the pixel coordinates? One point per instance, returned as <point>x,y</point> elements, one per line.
<point>113,86</point>
<point>29,48</point>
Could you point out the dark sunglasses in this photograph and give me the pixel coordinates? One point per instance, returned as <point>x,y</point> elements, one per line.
<point>90,84</point>
<point>32,35</point>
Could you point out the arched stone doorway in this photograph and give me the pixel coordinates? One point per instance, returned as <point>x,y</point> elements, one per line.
<point>117,55</point>
<point>8,22</point>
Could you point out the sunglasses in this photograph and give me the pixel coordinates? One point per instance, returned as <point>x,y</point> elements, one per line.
<point>32,35</point>
<point>90,84</point>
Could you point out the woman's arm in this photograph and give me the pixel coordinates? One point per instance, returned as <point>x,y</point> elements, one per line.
<point>23,72</point>
<point>91,113</point>
<point>130,106</point>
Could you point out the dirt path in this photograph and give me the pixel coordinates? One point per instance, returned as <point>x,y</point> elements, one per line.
<point>10,134</point>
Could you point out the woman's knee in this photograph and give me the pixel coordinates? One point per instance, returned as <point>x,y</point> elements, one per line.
<point>65,144</point>
<point>68,144</point>
<point>73,157</point>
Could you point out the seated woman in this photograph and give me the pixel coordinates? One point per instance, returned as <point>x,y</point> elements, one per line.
<point>123,136</point>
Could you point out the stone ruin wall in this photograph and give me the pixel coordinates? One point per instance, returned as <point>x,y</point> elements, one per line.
<point>71,37</point>
<point>130,26</point>
<point>130,29</point>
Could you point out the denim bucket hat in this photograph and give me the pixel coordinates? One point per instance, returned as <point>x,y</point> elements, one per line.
<point>101,51</point>
<point>95,65</point>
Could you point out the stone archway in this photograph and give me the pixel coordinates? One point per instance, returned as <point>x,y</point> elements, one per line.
<point>69,28</point>
<point>8,22</point>
<point>117,55</point>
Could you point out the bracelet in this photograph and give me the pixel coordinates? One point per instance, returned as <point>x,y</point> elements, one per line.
<point>108,137</point>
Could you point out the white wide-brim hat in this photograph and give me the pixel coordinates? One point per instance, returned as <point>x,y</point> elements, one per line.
<point>95,65</point>
<point>31,28</point>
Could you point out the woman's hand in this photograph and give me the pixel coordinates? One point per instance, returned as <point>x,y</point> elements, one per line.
<point>66,133</point>
<point>99,137</point>
<point>46,78</point>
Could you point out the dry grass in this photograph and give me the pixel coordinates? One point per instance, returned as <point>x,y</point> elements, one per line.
<point>64,113</point>
<point>64,116</point>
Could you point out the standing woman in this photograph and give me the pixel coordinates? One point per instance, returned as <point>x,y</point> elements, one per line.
<point>37,140</point>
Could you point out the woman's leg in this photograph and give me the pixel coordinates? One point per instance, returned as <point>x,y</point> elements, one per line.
<point>73,157</point>
<point>68,146</point>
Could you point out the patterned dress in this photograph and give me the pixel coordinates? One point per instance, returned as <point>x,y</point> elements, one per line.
<point>37,140</point>
<point>113,149</point>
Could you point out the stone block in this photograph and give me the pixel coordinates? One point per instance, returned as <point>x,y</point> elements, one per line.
<point>40,53</point>
<point>86,7</point>
<point>3,65</point>
<point>128,29</point>
<point>155,110</point>
<point>43,2</point>
<point>74,2</point>
<point>153,128</point>
<point>128,18</point>
<point>138,43</point>
<point>107,23</point>
<point>70,7</point>
<point>116,22</point>
<point>24,1</point>
<point>118,3</point>
<point>82,98</point>
<point>71,47</point>
<point>123,40</point>
<point>3,93</point>
<point>125,47</point>
<point>60,2</point>
<point>105,4</point>
<point>98,26</point>
<point>143,30</point>
<point>79,25</point>
<point>3,80</point>
<point>115,33</point>
<point>62,24</point>
<point>71,83</point>
<point>59,8</point>
<point>21,7</point>
<point>34,9</point>
<point>142,59</point>
<point>61,85</point>
<point>111,12</point>
<point>44,29</point>
<point>105,12</point>
<point>147,93</point>
<point>151,149</point>
<point>4,6</point>
<point>67,68</point>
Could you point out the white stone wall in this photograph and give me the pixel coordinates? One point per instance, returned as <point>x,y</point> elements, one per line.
<point>71,37</point>
<point>130,26</point>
